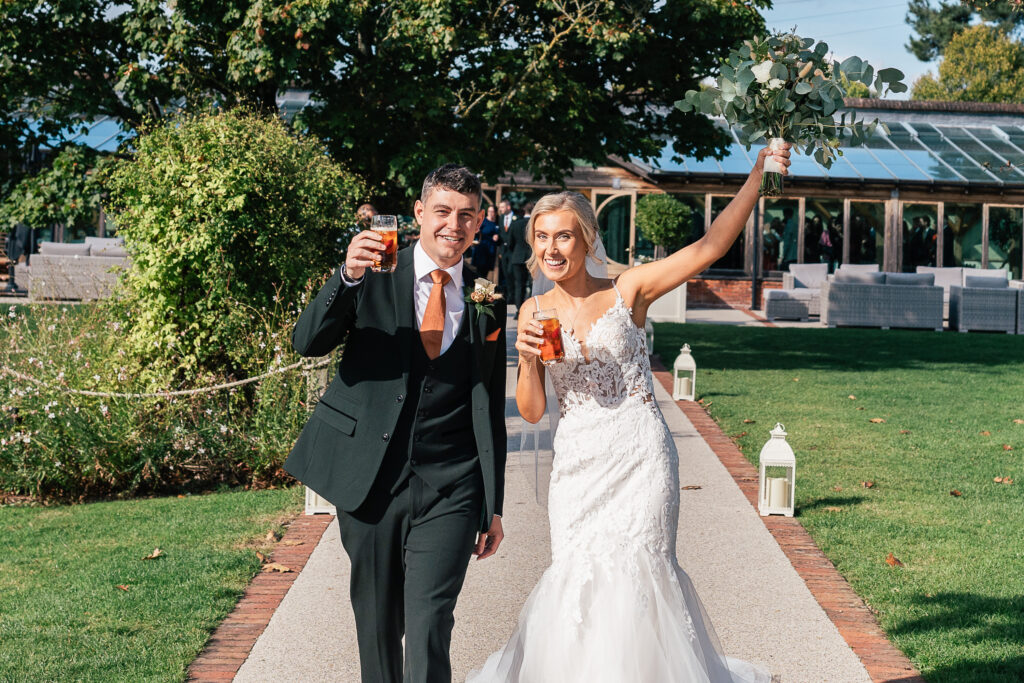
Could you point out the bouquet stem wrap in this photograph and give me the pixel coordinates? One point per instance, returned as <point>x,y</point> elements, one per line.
<point>771,179</point>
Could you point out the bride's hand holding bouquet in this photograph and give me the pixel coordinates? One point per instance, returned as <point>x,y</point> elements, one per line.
<point>785,88</point>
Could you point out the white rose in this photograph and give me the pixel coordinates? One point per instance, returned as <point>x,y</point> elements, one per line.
<point>762,72</point>
<point>775,83</point>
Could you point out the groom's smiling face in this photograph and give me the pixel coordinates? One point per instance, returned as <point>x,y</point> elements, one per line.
<point>448,222</point>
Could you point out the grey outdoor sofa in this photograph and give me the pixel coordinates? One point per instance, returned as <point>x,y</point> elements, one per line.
<point>985,302</point>
<point>70,271</point>
<point>800,296</point>
<point>860,298</point>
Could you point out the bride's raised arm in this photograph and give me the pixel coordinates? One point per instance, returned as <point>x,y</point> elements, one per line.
<point>652,280</point>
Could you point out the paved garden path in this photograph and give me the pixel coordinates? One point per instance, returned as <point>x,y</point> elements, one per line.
<point>761,608</point>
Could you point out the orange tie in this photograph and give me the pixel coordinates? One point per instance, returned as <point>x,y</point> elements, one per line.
<point>432,327</point>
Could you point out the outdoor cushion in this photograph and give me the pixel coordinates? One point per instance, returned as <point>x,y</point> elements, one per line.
<point>63,249</point>
<point>858,267</point>
<point>801,294</point>
<point>973,281</point>
<point>859,277</point>
<point>106,246</point>
<point>914,279</point>
<point>808,274</point>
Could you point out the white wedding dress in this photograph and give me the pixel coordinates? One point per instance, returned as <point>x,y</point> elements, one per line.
<point>614,606</point>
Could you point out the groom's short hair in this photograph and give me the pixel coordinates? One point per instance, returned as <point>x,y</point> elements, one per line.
<point>452,177</point>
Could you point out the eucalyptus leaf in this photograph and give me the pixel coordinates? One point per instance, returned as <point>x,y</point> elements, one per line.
<point>802,88</point>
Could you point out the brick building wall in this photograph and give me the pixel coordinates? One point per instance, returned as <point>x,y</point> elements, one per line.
<point>724,292</point>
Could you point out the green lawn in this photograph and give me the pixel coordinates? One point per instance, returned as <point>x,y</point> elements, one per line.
<point>949,402</point>
<point>62,615</point>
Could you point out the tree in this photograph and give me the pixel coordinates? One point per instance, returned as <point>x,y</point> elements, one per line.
<point>937,26</point>
<point>664,220</point>
<point>400,86</point>
<point>981,64</point>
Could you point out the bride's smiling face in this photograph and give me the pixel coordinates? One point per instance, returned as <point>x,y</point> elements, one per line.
<point>558,245</point>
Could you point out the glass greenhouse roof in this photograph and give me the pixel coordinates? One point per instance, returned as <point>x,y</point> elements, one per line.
<point>910,152</point>
<point>104,135</point>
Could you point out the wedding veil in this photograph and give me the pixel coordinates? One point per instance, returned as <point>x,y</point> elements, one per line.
<point>536,440</point>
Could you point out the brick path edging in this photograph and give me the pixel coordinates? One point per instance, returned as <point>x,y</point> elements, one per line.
<point>231,642</point>
<point>855,622</point>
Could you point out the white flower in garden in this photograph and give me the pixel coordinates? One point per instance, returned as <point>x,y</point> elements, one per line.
<point>223,429</point>
<point>775,83</point>
<point>11,312</point>
<point>200,450</point>
<point>50,415</point>
<point>95,378</point>
<point>104,409</point>
<point>51,328</point>
<point>762,72</point>
<point>27,439</point>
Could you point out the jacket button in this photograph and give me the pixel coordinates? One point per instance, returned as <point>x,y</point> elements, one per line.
<point>385,436</point>
<point>399,398</point>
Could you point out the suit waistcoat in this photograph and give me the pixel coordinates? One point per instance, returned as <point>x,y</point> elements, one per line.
<point>434,434</point>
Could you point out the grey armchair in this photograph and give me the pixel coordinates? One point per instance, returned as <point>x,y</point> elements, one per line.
<point>985,302</point>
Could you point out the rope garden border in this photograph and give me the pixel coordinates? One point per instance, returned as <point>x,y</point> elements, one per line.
<point>164,394</point>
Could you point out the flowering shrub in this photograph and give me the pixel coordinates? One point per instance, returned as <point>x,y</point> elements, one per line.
<point>68,446</point>
<point>216,209</point>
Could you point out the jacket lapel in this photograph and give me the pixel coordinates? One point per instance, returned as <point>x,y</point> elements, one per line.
<point>477,323</point>
<point>402,296</point>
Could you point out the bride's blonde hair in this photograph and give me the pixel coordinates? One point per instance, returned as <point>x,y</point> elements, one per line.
<point>576,204</point>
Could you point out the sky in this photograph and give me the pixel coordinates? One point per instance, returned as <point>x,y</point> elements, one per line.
<point>874,30</point>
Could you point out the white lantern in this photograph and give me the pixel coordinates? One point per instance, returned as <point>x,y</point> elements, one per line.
<point>649,331</point>
<point>684,374</point>
<point>776,475</point>
<point>318,505</point>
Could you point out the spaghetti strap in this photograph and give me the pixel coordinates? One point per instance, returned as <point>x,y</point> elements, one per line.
<point>616,286</point>
<point>536,304</point>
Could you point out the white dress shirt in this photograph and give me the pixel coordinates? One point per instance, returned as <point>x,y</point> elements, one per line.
<point>454,304</point>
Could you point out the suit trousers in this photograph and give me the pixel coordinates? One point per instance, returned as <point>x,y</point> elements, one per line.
<point>520,276</point>
<point>409,550</point>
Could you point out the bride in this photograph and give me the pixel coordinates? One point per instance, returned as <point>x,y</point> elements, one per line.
<point>614,606</point>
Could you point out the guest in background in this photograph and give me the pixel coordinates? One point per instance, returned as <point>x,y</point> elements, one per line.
<point>518,251</point>
<point>790,234</point>
<point>487,245</point>
<point>505,218</point>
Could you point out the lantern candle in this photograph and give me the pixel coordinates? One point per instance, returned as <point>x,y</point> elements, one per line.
<point>778,492</point>
<point>685,386</point>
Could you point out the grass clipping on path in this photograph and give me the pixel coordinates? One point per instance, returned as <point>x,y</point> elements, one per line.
<point>126,590</point>
<point>901,448</point>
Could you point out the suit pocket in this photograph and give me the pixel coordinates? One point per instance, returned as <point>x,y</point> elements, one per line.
<point>346,424</point>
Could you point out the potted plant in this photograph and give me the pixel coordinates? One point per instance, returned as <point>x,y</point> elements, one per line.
<point>788,89</point>
<point>664,220</point>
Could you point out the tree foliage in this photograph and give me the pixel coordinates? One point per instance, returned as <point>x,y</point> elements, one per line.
<point>69,191</point>
<point>981,64</point>
<point>401,86</point>
<point>222,216</point>
<point>936,25</point>
<point>664,220</point>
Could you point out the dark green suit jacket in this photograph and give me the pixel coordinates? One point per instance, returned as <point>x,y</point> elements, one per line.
<point>340,451</point>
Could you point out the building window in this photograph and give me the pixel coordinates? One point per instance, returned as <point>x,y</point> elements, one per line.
<point>1005,236</point>
<point>823,231</point>
<point>733,259</point>
<point>867,232</point>
<point>961,236</point>
<point>613,218</point>
<point>920,237</point>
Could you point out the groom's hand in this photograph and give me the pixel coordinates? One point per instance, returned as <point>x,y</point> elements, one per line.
<point>488,543</point>
<point>363,251</point>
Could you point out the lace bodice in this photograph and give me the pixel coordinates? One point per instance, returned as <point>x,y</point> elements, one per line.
<point>608,367</point>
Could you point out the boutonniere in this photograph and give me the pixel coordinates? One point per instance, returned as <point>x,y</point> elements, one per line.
<point>482,296</point>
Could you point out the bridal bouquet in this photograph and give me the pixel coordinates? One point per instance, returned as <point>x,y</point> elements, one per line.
<point>788,89</point>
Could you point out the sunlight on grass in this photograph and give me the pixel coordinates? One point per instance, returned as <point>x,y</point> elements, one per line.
<point>956,608</point>
<point>63,616</point>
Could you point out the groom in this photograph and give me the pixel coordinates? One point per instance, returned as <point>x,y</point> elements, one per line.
<point>408,441</point>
